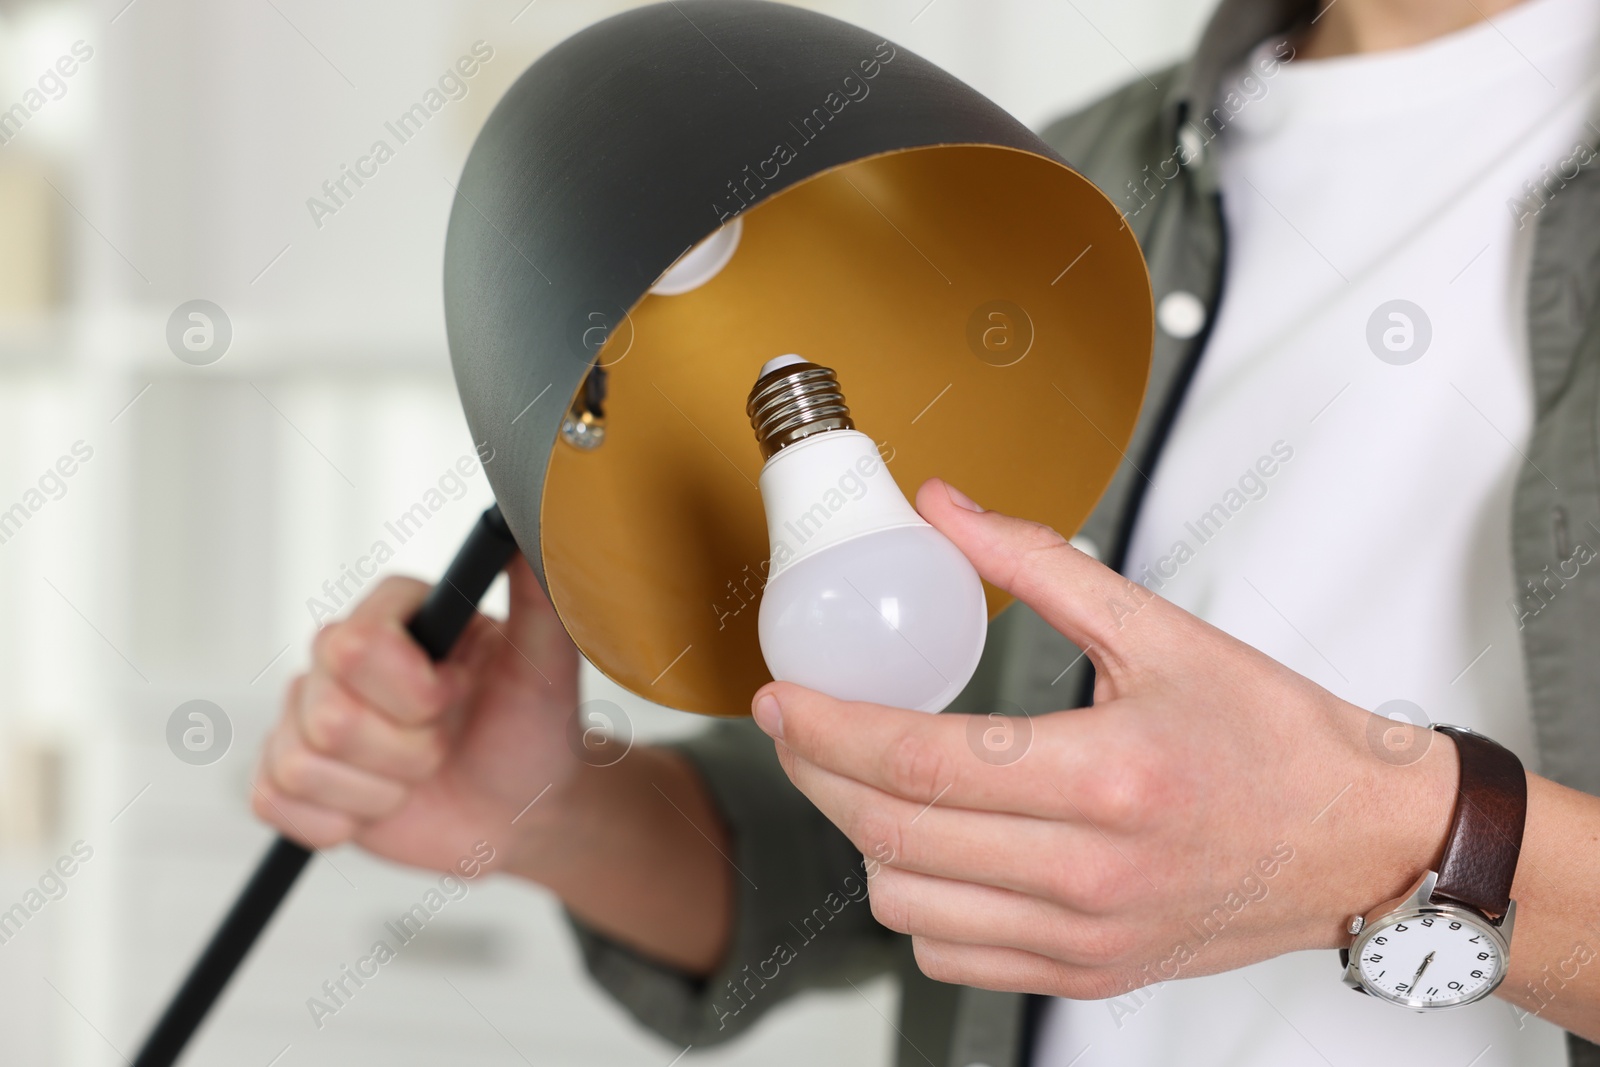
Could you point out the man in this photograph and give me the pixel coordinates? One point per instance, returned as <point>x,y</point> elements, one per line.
<point>1378,485</point>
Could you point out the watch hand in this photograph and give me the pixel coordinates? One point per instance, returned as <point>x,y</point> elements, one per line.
<point>1425,961</point>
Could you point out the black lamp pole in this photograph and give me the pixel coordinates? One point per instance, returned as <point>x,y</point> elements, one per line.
<point>435,626</point>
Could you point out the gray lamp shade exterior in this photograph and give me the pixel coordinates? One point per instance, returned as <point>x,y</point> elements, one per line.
<point>630,142</point>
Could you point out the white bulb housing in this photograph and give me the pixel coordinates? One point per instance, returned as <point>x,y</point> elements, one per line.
<point>864,600</point>
<point>701,263</point>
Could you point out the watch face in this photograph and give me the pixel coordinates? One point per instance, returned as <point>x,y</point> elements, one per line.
<point>1433,959</point>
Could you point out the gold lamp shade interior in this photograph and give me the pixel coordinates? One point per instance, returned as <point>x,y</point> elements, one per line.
<point>989,317</point>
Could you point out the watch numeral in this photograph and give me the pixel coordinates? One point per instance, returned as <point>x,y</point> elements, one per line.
<point>1427,922</point>
<point>1400,928</point>
<point>1456,986</point>
<point>1380,941</point>
<point>1477,974</point>
<point>1483,955</point>
<point>1474,940</point>
<point>1455,926</point>
<point>1433,991</point>
<point>1403,987</point>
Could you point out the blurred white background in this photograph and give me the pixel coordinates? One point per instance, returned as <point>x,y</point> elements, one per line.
<point>175,164</point>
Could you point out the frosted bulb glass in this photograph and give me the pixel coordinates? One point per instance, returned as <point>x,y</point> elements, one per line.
<point>894,617</point>
<point>864,600</point>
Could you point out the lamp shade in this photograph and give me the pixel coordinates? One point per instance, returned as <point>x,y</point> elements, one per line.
<point>985,308</point>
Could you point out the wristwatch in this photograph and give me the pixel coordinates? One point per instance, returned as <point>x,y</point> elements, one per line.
<point>1447,941</point>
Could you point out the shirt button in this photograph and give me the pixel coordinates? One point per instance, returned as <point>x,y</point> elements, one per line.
<point>1180,314</point>
<point>1194,148</point>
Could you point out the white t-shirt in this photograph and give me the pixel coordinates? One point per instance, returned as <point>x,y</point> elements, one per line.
<point>1375,557</point>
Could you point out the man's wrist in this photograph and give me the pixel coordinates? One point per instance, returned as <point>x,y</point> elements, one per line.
<point>579,818</point>
<point>636,851</point>
<point>1400,829</point>
<point>546,833</point>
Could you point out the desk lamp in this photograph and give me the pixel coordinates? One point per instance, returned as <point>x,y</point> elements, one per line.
<point>659,210</point>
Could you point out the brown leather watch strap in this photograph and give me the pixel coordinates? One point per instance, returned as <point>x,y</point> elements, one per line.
<point>1480,856</point>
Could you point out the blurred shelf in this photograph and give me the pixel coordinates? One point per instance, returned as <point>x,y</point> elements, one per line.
<point>133,340</point>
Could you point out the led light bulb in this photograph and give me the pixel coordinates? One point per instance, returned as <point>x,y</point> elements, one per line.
<point>864,600</point>
<point>701,263</point>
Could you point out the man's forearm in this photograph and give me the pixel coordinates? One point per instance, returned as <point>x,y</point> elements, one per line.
<point>637,851</point>
<point>1555,950</point>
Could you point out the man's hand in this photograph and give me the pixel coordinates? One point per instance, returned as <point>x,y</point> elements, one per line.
<point>415,761</point>
<point>419,762</point>
<point>1211,809</point>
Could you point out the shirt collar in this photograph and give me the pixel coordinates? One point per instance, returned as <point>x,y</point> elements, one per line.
<point>1235,28</point>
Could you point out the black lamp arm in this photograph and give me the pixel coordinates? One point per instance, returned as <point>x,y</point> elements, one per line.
<point>436,626</point>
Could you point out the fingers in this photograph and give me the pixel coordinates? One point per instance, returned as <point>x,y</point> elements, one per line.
<point>334,722</point>
<point>970,914</point>
<point>1010,970</point>
<point>1085,601</point>
<point>338,761</point>
<point>312,826</point>
<point>373,656</point>
<point>1061,861</point>
<point>301,773</point>
<point>1077,763</point>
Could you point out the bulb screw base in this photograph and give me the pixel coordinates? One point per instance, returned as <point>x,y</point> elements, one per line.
<point>791,402</point>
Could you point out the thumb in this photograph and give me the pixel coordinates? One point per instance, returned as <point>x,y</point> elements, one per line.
<point>533,627</point>
<point>1088,603</point>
